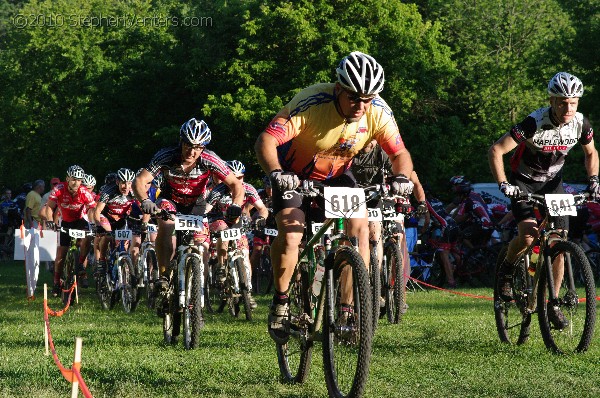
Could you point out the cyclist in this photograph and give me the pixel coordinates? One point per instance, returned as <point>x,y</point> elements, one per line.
<point>259,238</point>
<point>116,201</point>
<point>186,170</point>
<point>73,200</point>
<point>315,136</point>
<point>218,201</point>
<point>542,141</point>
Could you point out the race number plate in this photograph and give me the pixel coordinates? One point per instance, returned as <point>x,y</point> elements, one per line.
<point>317,225</point>
<point>389,214</point>
<point>344,202</point>
<point>231,234</point>
<point>77,233</point>
<point>123,234</point>
<point>561,205</point>
<point>374,214</point>
<point>271,232</point>
<point>188,222</point>
<point>152,228</point>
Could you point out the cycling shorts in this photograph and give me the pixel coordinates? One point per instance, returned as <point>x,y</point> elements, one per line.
<point>64,238</point>
<point>523,210</point>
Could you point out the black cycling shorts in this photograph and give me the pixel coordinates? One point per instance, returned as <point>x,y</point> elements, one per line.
<point>523,210</point>
<point>65,239</point>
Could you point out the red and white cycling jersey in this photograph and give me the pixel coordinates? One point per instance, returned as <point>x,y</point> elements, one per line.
<point>72,207</point>
<point>117,205</point>
<point>220,197</point>
<point>544,143</point>
<point>179,186</point>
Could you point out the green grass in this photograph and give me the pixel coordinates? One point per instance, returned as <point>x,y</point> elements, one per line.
<point>446,346</point>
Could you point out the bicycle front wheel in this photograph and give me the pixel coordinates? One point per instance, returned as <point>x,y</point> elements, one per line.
<point>513,320</point>
<point>347,325</point>
<point>576,301</point>
<point>395,292</point>
<point>294,357</point>
<point>193,319</point>
<point>128,285</point>
<point>68,276</point>
<point>244,288</point>
<point>151,270</point>
<point>375,279</point>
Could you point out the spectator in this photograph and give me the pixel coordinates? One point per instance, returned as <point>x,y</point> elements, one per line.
<point>33,203</point>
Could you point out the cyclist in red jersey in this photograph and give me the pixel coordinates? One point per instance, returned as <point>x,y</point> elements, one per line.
<point>116,201</point>
<point>73,200</point>
<point>315,136</point>
<point>186,170</point>
<point>542,141</point>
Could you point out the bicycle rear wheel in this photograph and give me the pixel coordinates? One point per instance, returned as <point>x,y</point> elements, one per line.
<point>171,317</point>
<point>513,320</point>
<point>193,319</point>
<point>151,270</point>
<point>395,292</point>
<point>576,301</point>
<point>347,325</point>
<point>294,357</point>
<point>68,277</point>
<point>375,279</point>
<point>103,289</point>
<point>128,285</point>
<point>212,289</point>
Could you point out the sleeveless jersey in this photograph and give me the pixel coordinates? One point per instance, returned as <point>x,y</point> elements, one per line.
<point>72,208</point>
<point>179,186</point>
<point>315,141</point>
<point>544,144</point>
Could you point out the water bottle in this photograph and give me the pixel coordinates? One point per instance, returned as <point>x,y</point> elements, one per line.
<point>535,254</point>
<point>316,286</point>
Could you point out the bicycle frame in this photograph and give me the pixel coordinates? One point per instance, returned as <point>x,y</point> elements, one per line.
<point>185,251</point>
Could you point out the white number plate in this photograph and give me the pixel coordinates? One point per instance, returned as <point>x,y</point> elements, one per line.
<point>152,228</point>
<point>389,214</point>
<point>374,214</point>
<point>188,222</point>
<point>271,232</point>
<point>231,234</point>
<point>77,233</point>
<point>317,225</point>
<point>344,202</point>
<point>123,234</point>
<point>561,205</point>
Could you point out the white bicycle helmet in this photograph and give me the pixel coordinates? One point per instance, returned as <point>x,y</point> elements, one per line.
<point>195,132</point>
<point>76,172</point>
<point>360,73</point>
<point>89,180</point>
<point>237,167</point>
<point>565,85</point>
<point>125,175</point>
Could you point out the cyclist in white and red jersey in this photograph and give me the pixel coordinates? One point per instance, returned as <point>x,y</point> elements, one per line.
<point>218,201</point>
<point>315,136</point>
<point>186,170</point>
<point>116,201</point>
<point>73,200</point>
<point>542,141</point>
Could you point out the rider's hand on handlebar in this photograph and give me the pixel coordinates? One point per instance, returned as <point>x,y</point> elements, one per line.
<point>422,208</point>
<point>400,185</point>
<point>509,190</point>
<point>260,222</point>
<point>284,180</point>
<point>49,225</point>
<point>593,188</point>
<point>149,207</point>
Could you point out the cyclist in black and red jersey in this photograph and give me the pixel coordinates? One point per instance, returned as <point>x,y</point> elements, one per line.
<point>218,201</point>
<point>259,238</point>
<point>186,170</point>
<point>73,200</point>
<point>116,201</point>
<point>542,141</point>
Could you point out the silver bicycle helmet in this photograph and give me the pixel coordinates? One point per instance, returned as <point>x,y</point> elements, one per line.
<point>565,85</point>
<point>125,175</point>
<point>237,167</point>
<point>89,180</point>
<point>76,172</point>
<point>194,132</point>
<point>360,73</point>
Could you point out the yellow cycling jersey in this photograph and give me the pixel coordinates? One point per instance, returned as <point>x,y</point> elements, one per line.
<point>316,142</point>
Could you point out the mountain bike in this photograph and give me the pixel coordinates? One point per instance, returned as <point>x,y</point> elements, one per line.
<point>147,268</point>
<point>533,285</point>
<point>262,275</point>
<point>69,270</point>
<point>185,293</point>
<point>336,309</point>
<point>236,290</point>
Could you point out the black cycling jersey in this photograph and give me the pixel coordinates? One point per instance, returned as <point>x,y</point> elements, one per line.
<point>370,167</point>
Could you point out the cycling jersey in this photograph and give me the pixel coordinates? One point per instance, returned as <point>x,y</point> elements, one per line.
<point>220,198</point>
<point>475,207</point>
<point>544,143</point>
<point>315,141</point>
<point>181,187</point>
<point>117,205</point>
<point>371,167</point>
<point>72,207</point>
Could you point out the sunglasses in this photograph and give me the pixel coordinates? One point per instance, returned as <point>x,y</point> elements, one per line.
<point>194,147</point>
<point>355,97</point>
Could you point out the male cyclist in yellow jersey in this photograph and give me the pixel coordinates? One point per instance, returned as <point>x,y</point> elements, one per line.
<point>315,136</point>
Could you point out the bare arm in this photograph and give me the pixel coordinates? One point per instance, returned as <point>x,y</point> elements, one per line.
<point>418,191</point>
<point>266,152</point>
<point>97,211</point>
<point>236,188</point>
<point>261,209</point>
<point>495,156</point>
<point>401,162</point>
<point>140,183</point>
<point>591,159</point>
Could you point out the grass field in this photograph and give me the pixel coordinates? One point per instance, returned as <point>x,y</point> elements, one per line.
<point>446,346</point>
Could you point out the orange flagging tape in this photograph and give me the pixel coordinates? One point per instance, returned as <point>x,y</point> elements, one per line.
<point>60,312</point>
